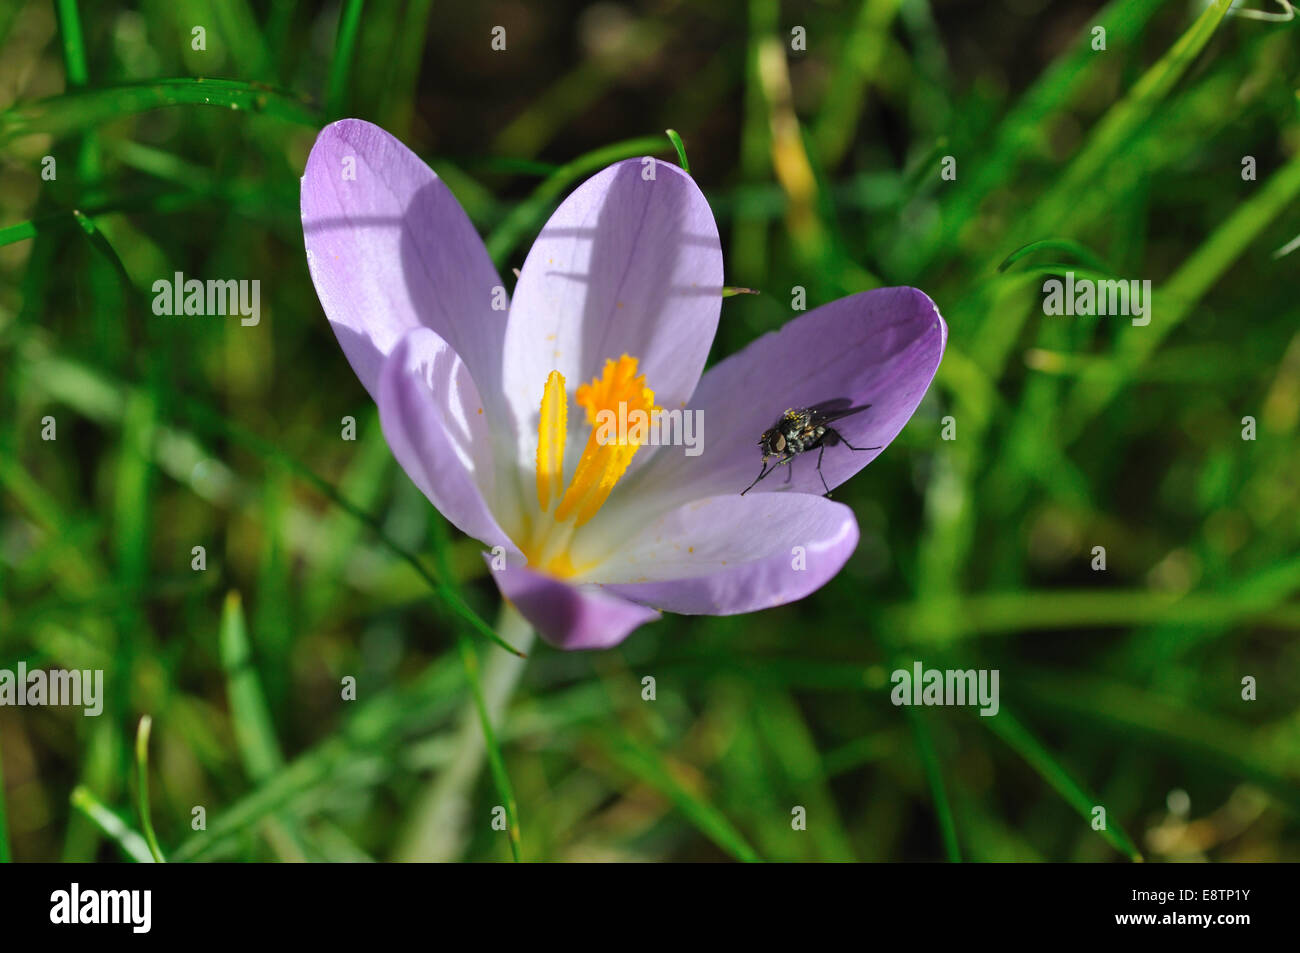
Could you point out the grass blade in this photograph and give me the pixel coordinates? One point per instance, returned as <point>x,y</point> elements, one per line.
<point>1050,770</point>
<point>17,233</point>
<point>436,829</point>
<point>341,66</point>
<point>495,760</point>
<point>680,147</point>
<point>934,776</point>
<point>1126,712</point>
<point>117,830</point>
<point>648,766</point>
<point>513,621</point>
<point>1124,118</point>
<point>1077,249</point>
<point>142,786</point>
<point>865,48</point>
<point>76,112</point>
<point>249,714</point>
<point>6,854</point>
<point>1050,96</point>
<point>782,730</point>
<point>1178,296</point>
<point>74,50</point>
<point>1053,609</point>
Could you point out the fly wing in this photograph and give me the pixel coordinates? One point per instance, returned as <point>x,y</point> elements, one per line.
<point>831,410</point>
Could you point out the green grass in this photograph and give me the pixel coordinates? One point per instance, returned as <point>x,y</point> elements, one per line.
<point>823,167</point>
<point>341,65</point>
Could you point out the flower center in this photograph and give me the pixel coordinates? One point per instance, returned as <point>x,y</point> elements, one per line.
<point>617,396</point>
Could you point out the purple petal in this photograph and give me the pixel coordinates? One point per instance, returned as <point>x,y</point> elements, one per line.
<point>625,265</point>
<point>571,617</point>
<point>390,249</point>
<point>729,554</point>
<point>434,423</point>
<point>879,347</point>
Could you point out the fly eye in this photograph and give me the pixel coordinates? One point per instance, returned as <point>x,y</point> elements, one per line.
<point>779,443</point>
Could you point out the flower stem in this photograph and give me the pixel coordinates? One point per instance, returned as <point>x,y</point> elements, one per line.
<point>439,826</point>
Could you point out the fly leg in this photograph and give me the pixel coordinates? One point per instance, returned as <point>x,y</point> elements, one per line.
<point>839,438</point>
<point>761,473</point>
<point>820,451</point>
<point>835,437</point>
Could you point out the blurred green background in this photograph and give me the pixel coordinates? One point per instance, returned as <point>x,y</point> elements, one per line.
<point>1120,688</point>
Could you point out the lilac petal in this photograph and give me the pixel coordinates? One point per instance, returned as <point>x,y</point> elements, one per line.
<point>390,249</point>
<point>571,617</point>
<point>729,554</point>
<point>433,421</point>
<point>625,265</point>
<point>879,347</point>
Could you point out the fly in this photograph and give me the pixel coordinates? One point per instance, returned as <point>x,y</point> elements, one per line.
<point>800,430</point>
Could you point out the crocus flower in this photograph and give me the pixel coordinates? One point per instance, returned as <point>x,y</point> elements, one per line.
<point>490,407</point>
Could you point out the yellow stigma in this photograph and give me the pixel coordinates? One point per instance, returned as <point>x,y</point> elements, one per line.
<point>612,399</point>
